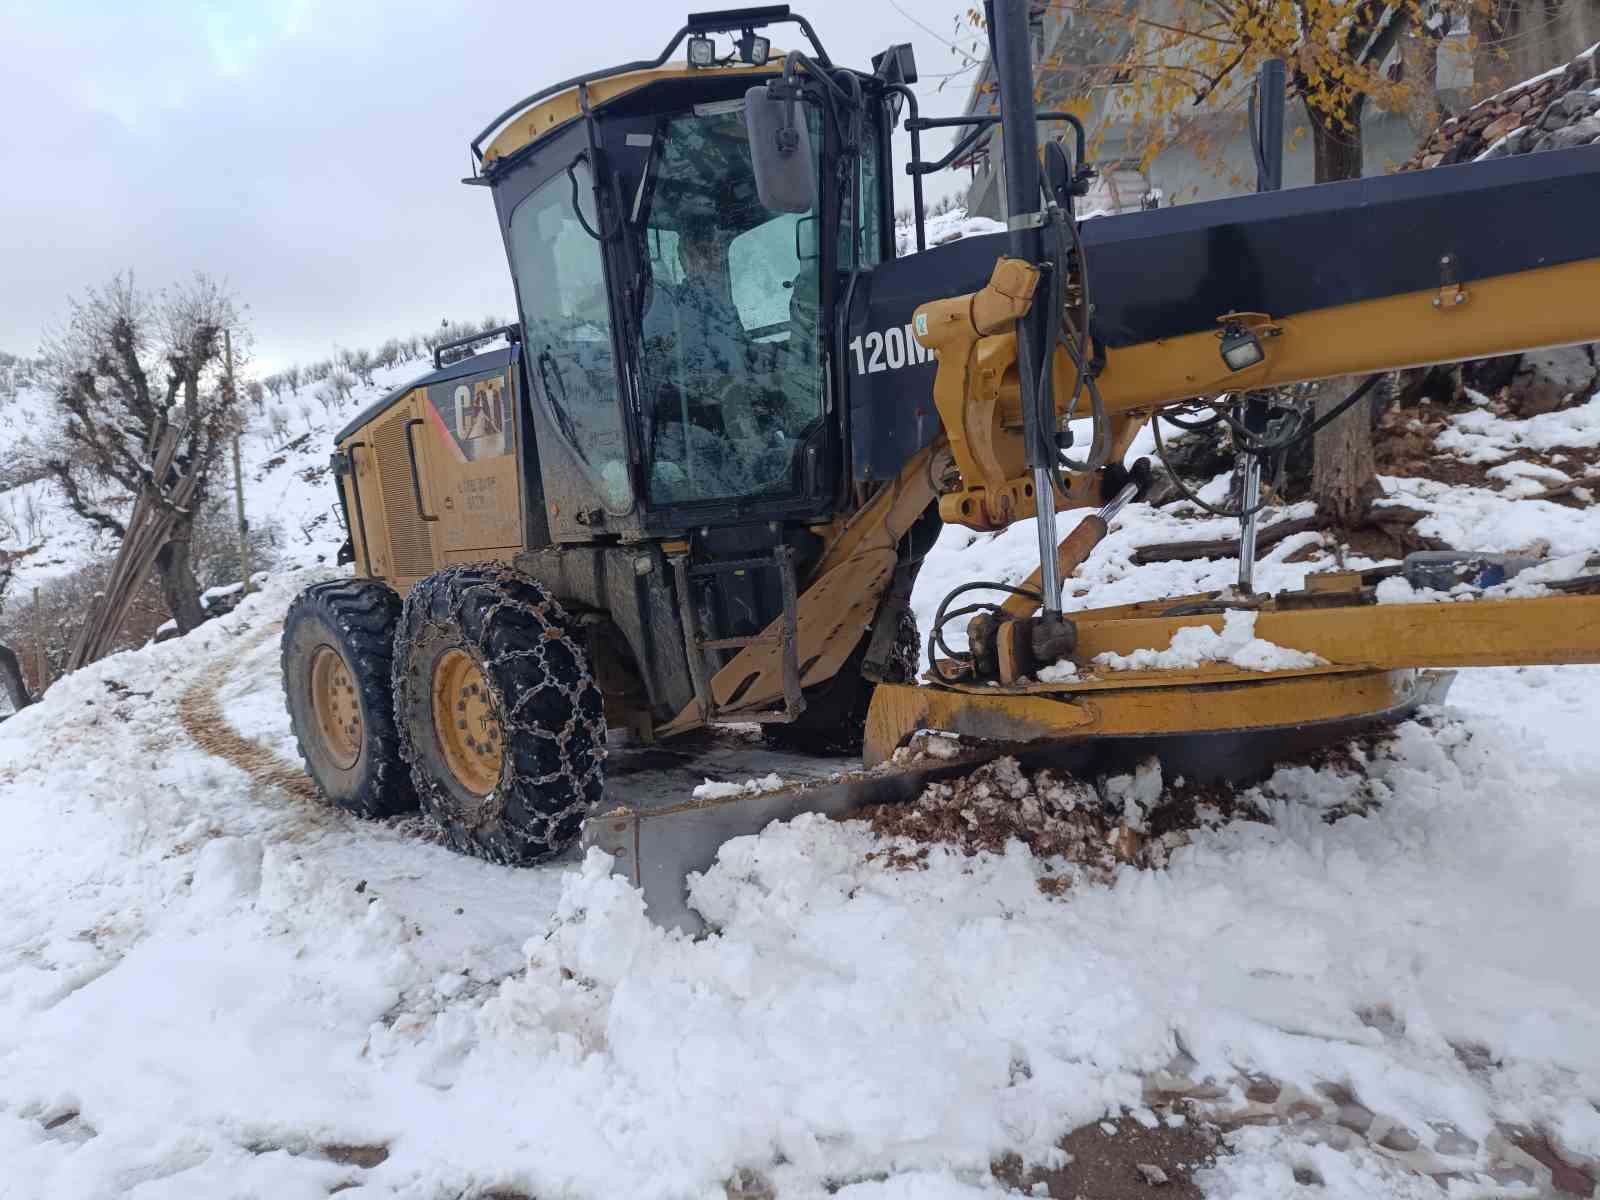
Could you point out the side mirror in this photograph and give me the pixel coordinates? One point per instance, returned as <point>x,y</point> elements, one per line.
<point>1058,174</point>
<point>780,151</point>
<point>806,245</point>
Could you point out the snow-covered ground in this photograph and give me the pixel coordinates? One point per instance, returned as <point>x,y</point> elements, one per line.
<point>212,986</point>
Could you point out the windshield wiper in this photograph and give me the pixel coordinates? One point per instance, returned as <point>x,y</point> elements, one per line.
<point>550,370</point>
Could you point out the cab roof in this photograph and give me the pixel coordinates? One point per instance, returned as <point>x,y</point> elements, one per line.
<point>544,116</point>
<point>530,120</point>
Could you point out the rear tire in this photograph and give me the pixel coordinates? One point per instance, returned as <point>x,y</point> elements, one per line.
<point>835,717</point>
<point>500,718</point>
<point>337,646</point>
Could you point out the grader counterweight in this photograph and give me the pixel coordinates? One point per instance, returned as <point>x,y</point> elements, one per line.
<point>695,487</point>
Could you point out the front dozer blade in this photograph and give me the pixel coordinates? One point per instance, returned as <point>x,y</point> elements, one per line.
<point>658,834</point>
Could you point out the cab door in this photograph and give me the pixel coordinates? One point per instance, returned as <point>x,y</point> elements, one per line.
<point>559,269</point>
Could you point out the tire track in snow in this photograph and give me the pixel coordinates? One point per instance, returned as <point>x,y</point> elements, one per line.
<point>202,719</point>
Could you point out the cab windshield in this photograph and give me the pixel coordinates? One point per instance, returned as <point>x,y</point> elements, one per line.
<point>731,360</point>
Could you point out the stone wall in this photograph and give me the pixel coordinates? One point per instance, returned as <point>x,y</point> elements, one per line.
<point>1554,111</point>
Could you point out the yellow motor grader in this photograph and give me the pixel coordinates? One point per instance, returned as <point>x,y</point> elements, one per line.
<point>695,486</point>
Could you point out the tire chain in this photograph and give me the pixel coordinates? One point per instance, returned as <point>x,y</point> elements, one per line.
<point>553,731</point>
<point>366,613</point>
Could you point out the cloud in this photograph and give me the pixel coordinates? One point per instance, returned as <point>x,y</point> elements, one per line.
<point>309,152</point>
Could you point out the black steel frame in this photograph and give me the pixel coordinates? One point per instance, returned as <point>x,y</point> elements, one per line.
<point>981,123</point>
<point>726,21</point>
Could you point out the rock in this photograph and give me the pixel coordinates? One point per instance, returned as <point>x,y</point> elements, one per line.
<point>1579,72</point>
<point>1431,161</point>
<point>747,1184</point>
<point>1515,142</point>
<point>1547,379</point>
<point>1454,1144</point>
<point>1501,126</point>
<point>1399,1139</point>
<point>1522,103</point>
<point>1571,107</point>
<point>1579,133</point>
<point>1262,1091</point>
<point>1152,1174</point>
<point>1355,1117</point>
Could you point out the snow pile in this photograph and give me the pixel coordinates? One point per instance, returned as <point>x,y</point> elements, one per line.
<point>1479,436</point>
<point>1236,644</point>
<point>1060,671</point>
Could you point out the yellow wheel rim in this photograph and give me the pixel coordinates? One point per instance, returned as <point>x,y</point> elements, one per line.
<point>466,722</point>
<point>337,707</point>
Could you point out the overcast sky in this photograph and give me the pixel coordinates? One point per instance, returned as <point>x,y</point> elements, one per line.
<point>310,151</point>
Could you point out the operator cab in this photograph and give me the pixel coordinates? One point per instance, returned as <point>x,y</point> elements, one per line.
<point>675,331</point>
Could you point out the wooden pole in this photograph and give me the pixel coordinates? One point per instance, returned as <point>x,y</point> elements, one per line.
<point>238,474</point>
<point>41,665</point>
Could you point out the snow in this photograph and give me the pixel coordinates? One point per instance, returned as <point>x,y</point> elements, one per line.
<point>1235,643</point>
<point>1478,519</point>
<point>213,987</point>
<point>222,981</point>
<point>1479,436</point>
<point>713,790</point>
<point>1059,671</point>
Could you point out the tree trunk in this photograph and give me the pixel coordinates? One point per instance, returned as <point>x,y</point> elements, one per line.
<point>1344,472</point>
<point>1335,149</point>
<point>1486,24</point>
<point>11,678</point>
<point>179,587</point>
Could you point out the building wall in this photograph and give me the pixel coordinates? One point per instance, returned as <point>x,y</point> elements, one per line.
<point>1538,34</point>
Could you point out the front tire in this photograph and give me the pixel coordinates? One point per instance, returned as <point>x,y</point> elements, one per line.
<point>337,646</point>
<point>500,718</point>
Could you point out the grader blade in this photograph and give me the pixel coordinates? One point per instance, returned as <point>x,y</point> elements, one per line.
<point>658,834</point>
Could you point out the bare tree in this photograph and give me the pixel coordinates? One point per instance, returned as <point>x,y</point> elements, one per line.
<point>11,679</point>
<point>341,383</point>
<point>278,427</point>
<point>362,364</point>
<point>129,369</point>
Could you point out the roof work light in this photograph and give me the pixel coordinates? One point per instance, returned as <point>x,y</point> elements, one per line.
<point>702,51</point>
<point>754,49</point>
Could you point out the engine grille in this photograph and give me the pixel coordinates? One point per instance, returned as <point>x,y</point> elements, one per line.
<point>410,543</point>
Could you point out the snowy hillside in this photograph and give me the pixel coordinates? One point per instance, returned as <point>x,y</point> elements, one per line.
<point>285,473</point>
<point>1363,977</point>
